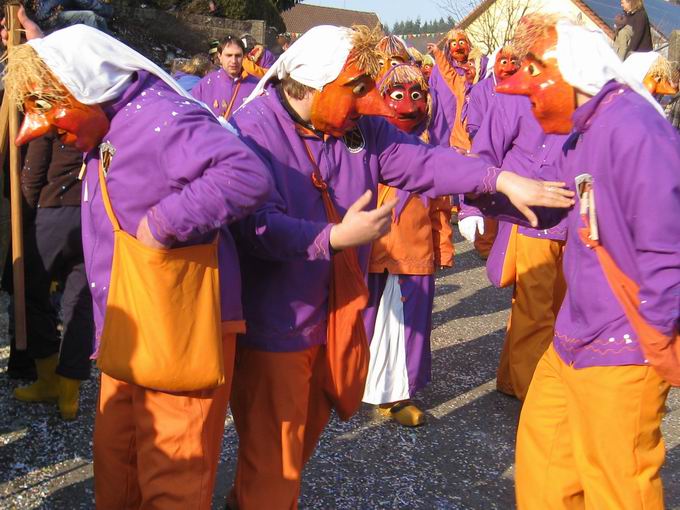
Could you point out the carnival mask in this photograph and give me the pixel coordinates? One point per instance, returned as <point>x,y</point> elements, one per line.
<point>427,70</point>
<point>553,100</point>
<point>338,106</point>
<point>386,63</point>
<point>82,126</point>
<point>409,103</point>
<point>506,65</point>
<point>459,48</point>
<point>659,85</point>
<point>392,53</point>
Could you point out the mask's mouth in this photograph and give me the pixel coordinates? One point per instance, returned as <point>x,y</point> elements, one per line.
<point>408,116</point>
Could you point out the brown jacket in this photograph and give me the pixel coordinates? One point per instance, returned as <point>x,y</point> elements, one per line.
<point>420,242</point>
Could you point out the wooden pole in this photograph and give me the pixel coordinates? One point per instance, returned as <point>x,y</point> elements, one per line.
<point>14,39</point>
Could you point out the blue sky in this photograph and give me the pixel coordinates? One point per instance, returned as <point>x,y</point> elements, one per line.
<point>389,11</point>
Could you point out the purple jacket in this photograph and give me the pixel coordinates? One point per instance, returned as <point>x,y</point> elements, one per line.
<point>477,103</point>
<point>286,252</point>
<point>633,155</point>
<point>216,90</point>
<point>444,103</point>
<point>267,59</point>
<point>174,161</point>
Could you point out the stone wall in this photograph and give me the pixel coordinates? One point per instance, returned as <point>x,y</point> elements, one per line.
<point>191,32</point>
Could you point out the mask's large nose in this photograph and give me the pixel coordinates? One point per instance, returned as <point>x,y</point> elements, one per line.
<point>34,126</point>
<point>664,87</point>
<point>515,84</point>
<point>372,104</point>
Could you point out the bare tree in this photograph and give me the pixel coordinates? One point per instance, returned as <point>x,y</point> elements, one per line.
<point>496,23</point>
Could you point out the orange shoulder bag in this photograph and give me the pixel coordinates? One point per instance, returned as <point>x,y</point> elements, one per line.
<point>162,328</point>
<point>347,352</point>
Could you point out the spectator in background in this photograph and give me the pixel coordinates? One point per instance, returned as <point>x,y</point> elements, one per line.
<point>55,14</point>
<point>54,252</point>
<point>283,41</point>
<point>225,89</point>
<point>188,72</point>
<point>214,54</point>
<point>623,35</point>
<point>636,17</point>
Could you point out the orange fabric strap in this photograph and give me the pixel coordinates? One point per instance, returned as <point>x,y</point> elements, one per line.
<point>233,98</point>
<point>105,161</point>
<point>322,186</point>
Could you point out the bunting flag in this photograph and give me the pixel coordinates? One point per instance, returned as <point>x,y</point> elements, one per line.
<point>436,35</point>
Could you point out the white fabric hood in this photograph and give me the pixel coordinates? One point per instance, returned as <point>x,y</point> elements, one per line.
<point>315,59</point>
<point>587,62</point>
<point>94,66</point>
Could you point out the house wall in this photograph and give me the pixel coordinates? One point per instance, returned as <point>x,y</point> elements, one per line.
<point>503,15</point>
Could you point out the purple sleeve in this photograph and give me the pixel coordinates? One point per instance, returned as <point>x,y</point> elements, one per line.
<point>653,211</point>
<point>267,59</point>
<point>498,206</point>
<point>271,234</point>
<point>220,179</point>
<point>407,163</point>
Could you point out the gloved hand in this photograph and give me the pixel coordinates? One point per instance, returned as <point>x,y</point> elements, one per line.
<point>469,226</point>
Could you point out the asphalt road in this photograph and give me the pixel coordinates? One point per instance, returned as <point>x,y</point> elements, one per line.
<point>462,459</point>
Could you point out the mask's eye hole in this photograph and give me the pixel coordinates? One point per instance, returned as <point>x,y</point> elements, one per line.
<point>397,95</point>
<point>42,106</point>
<point>657,79</point>
<point>533,70</point>
<point>360,89</point>
<point>504,61</point>
<point>394,62</point>
<point>381,62</point>
<point>416,95</point>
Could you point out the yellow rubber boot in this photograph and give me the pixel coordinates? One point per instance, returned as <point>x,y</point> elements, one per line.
<point>408,415</point>
<point>46,388</point>
<point>405,413</point>
<point>69,397</point>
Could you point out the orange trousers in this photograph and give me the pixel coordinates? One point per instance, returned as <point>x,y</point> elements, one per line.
<point>158,450</point>
<point>591,438</point>
<point>279,410</point>
<point>484,242</point>
<point>539,291</point>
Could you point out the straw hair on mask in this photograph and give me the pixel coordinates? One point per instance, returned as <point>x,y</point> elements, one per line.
<point>661,68</point>
<point>530,29</point>
<point>404,73</point>
<point>26,75</point>
<point>391,46</point>
<point>363,54</point>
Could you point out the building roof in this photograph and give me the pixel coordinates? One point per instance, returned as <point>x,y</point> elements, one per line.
<point>302,17</point>
<point>664,16</point>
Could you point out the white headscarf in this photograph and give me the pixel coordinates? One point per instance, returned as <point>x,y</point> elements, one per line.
<point>94,66</point>
<point>492,61</point>
<point>587,62</point>
<point>315,59</point>
<point>638,64</point>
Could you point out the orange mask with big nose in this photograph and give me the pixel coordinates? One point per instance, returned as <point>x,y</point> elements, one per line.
<point>553,100</point>
<point>82,126</point>
<point>338,106</point>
